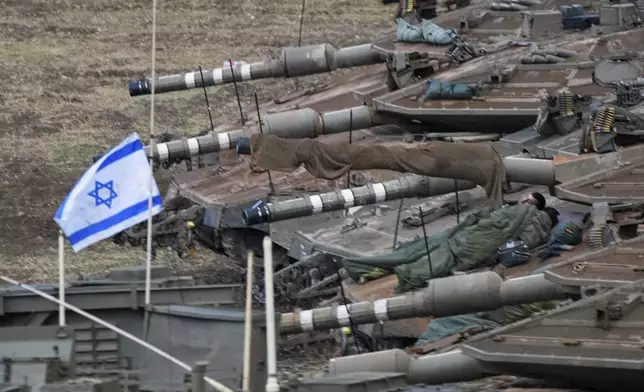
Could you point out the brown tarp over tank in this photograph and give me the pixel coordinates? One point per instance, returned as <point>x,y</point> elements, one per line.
<point>479,163</point>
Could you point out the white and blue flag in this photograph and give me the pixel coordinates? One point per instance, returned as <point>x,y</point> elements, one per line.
<point>110,197</point>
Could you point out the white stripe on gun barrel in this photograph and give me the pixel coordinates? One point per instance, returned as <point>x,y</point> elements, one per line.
<point>380,309</point>
<point>316,202</point>
<point>245,72</point>
<point>342,315</point>
<point>193,146</point>
<point>224,140</point>
<point>189,79</point>
<point>380,192</point>
<point>349,200</point>
<point>306,320</point>
<point>218,76</point>
<point>162,149</point>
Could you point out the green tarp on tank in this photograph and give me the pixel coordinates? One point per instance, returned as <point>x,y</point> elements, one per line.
<point>470,244</point>
<point>438,89</point>
<point>426,32</point>
<point>447,326</point>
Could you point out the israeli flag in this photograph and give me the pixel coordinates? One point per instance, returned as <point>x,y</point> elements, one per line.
<point>110,197</point>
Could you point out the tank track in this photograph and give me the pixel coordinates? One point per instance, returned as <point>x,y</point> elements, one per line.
<point>301,284</point>
<point>167,228</point>
<point>297,283</point>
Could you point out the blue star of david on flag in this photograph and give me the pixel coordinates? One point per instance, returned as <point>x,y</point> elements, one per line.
<point>96,193</point>
<point>111,196</point>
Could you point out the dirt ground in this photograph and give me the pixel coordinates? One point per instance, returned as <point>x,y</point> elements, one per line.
<point>64,68</point>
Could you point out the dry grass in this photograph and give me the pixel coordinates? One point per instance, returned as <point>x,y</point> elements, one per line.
<point>64,65</point>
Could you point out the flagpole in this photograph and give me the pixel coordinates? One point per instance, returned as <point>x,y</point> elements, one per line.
<point>148,264</point>
<point>248,321</point>
<point>271,357</point>
<point>61,277</point>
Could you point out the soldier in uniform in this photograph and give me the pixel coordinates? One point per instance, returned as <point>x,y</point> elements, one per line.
<point>534,198</point>
<point>185,243</point>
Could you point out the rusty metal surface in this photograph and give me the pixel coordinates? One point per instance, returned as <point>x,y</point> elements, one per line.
<point>379,289</point>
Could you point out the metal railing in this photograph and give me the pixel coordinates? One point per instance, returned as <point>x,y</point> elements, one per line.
<point>198,379</point>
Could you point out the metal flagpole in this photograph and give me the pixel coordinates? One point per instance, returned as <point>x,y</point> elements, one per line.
<point>248,321</point>
<point>148,264</point>
<point>271,351</point>
<point>61,277</point>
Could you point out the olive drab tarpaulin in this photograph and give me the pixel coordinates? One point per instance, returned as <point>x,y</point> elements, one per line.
<point>469,245</point>
<point>478,322</point>
<point>438,89</point>
<point>426,32</point>
<point>443,327</point>
<point>479,163</point>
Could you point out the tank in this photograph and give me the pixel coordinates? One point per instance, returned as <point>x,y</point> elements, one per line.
<point>443,45</point>
<point>421,93</point>
<point>603,291</point>
<point>541,347</point>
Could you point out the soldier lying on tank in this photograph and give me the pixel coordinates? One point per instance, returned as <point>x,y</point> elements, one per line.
<point>516,251</point>
<point>473,243</point>
<point>565,236</point>
<point>534,198</point>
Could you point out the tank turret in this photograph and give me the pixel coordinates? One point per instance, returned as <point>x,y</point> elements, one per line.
<point>293,62</point>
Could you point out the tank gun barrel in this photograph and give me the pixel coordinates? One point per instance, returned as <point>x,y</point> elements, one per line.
<point>301,123</point>
<point>293,62</point>
<point>434,369</point>
<point>404,187</point>
<point>453,295</point>
<point>524,170</point>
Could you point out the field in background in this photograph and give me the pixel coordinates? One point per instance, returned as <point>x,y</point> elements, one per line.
<point>64,68</point>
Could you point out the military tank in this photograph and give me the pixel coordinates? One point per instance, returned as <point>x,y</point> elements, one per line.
<point>586,344</point>
<point>397,103</point>
<point>443,45</point>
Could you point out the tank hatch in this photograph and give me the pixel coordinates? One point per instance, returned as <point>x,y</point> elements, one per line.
<point>594,343</point>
